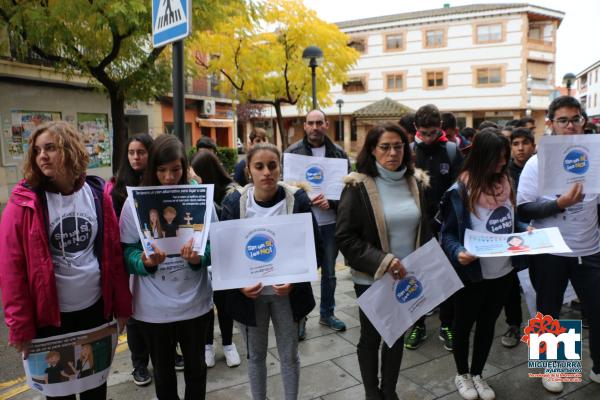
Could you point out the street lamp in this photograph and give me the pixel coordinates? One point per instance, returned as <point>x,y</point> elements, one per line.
<point>568,80</point>
<point>340,103</point>
<point>313,56</point>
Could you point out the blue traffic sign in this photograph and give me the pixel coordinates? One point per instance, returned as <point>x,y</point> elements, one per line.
<point>171,21</point>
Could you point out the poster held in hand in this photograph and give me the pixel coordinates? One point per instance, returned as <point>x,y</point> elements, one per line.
<point>568,159</point>
<point>170,215</point>
<point>538,241</point>
<point>530,296</point>
<point>72,363</point>
<point>393,306</point>
<point>271,250</point>
<point>324,175</point>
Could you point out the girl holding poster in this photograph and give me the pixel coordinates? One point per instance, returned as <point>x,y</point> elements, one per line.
<point>62,269</point>
<point>253,307</point>
<point>381,219</point>
<point>483,200</point>
<point>172,297</point>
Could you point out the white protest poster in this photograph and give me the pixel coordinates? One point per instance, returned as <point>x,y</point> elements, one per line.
<point>171,215</point>
<point>271,250</point>
<point>538,241</point>
<point>567,159</point>
<point>71,363</point>
<point>393,306</point>
<point>529,292</point>
<point>324,175</point>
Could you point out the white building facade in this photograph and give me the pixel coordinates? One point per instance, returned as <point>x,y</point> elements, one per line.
<point>481,62</point>
<point>588,91</point>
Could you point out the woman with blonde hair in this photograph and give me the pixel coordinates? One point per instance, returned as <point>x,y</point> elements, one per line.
<point>85,363</point>
<point>61,266</point>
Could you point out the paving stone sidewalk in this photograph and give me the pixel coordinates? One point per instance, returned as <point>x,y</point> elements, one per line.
<point>330,369</point>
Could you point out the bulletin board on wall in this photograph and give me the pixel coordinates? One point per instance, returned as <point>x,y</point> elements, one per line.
<point>16,132</point>
<point>96,136</point>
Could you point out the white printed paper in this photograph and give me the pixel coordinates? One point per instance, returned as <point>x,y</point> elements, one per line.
<point>393,306</point>
<point>567,159</point>
<point>71,363</point>
<point>538,241</point>
<point>324,175</point>
<point>272,250</point>
<point>169,216</point>
<point>530,296</point>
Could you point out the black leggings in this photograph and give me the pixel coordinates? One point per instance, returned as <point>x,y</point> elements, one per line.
<point>477,303</point>
<point>225,321</point>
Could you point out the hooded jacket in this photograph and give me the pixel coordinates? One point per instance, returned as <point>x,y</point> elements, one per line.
<point>442,171</point>
<point>302,301</point>
<point>27,281</point>
<point>361,233</point>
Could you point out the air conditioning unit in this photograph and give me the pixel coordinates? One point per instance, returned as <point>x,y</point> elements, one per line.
<point>208,107</point>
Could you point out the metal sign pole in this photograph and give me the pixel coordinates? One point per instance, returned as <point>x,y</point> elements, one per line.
<point>178,91</point>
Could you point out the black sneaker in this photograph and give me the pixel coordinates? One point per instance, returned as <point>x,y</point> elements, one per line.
<point>141,376</point>
<point>179,365</point>
<point>447,337</point>
<point>511,337</point>
<point>415,338</point>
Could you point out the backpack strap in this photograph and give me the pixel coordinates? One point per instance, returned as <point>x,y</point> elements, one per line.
<point>451,149</point>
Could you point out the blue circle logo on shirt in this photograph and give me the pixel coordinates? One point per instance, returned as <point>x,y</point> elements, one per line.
<point>314,174</point>
<point>261,247</point>
<point>500,221</point>
<point>408,289</point>
<point>577,162</point>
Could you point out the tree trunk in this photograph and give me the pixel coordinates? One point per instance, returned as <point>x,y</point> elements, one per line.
<point>117,110</point>
<point>282,131</point>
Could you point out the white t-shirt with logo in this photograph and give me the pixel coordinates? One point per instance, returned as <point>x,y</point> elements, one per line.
<point>499,220</point>
<point>72,230</point>
<point>174,292</point>
<point>323,217</point>
<point>578,224</point>
<point>253,210</point>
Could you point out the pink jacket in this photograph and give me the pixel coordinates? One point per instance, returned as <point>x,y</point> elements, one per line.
<point>27,282</point>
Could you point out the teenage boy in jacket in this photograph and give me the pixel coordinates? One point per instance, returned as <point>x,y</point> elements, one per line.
<point>316,143</point>
<point>575,213</point>
<point>442,160</point>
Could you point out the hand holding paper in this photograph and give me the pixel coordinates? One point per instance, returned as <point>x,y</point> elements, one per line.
<point>252,292</point>
<point>573,196</point>
<point>156,257</point>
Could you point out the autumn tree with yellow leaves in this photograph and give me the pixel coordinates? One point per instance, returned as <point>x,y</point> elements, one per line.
<point>257,54</point>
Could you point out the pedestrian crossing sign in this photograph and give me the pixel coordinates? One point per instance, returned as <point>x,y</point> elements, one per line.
<point>171,21</point>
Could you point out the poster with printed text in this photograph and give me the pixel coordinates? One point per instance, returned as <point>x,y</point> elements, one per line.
<point>71,363</point>
<point>169,216</point>
<point>393,306</point>
<point>94,131</point>
<point>22,124</point>
<point>538,241</point>
<point>271,250</point>
<point>568,159</point>
<point>324,175</point>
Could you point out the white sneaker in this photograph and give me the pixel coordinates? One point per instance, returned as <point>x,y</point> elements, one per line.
<point>483,389</point>
<point>465,387</point>
<point>209,355</point>
<point>552,386</point>
<point>232,358</point>
<point>594,377</point>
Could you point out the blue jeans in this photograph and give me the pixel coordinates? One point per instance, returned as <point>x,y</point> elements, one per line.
<point>328,279</point>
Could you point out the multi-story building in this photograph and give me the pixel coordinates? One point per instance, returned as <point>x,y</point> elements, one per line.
<point>481,62</point>
<point>588,91</point>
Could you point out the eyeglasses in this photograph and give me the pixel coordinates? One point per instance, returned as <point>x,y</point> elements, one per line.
<point>386,147</point>
<point>564,122</point>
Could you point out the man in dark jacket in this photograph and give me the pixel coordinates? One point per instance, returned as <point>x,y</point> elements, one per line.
<point>442,161</point>
<point>317,143</point>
